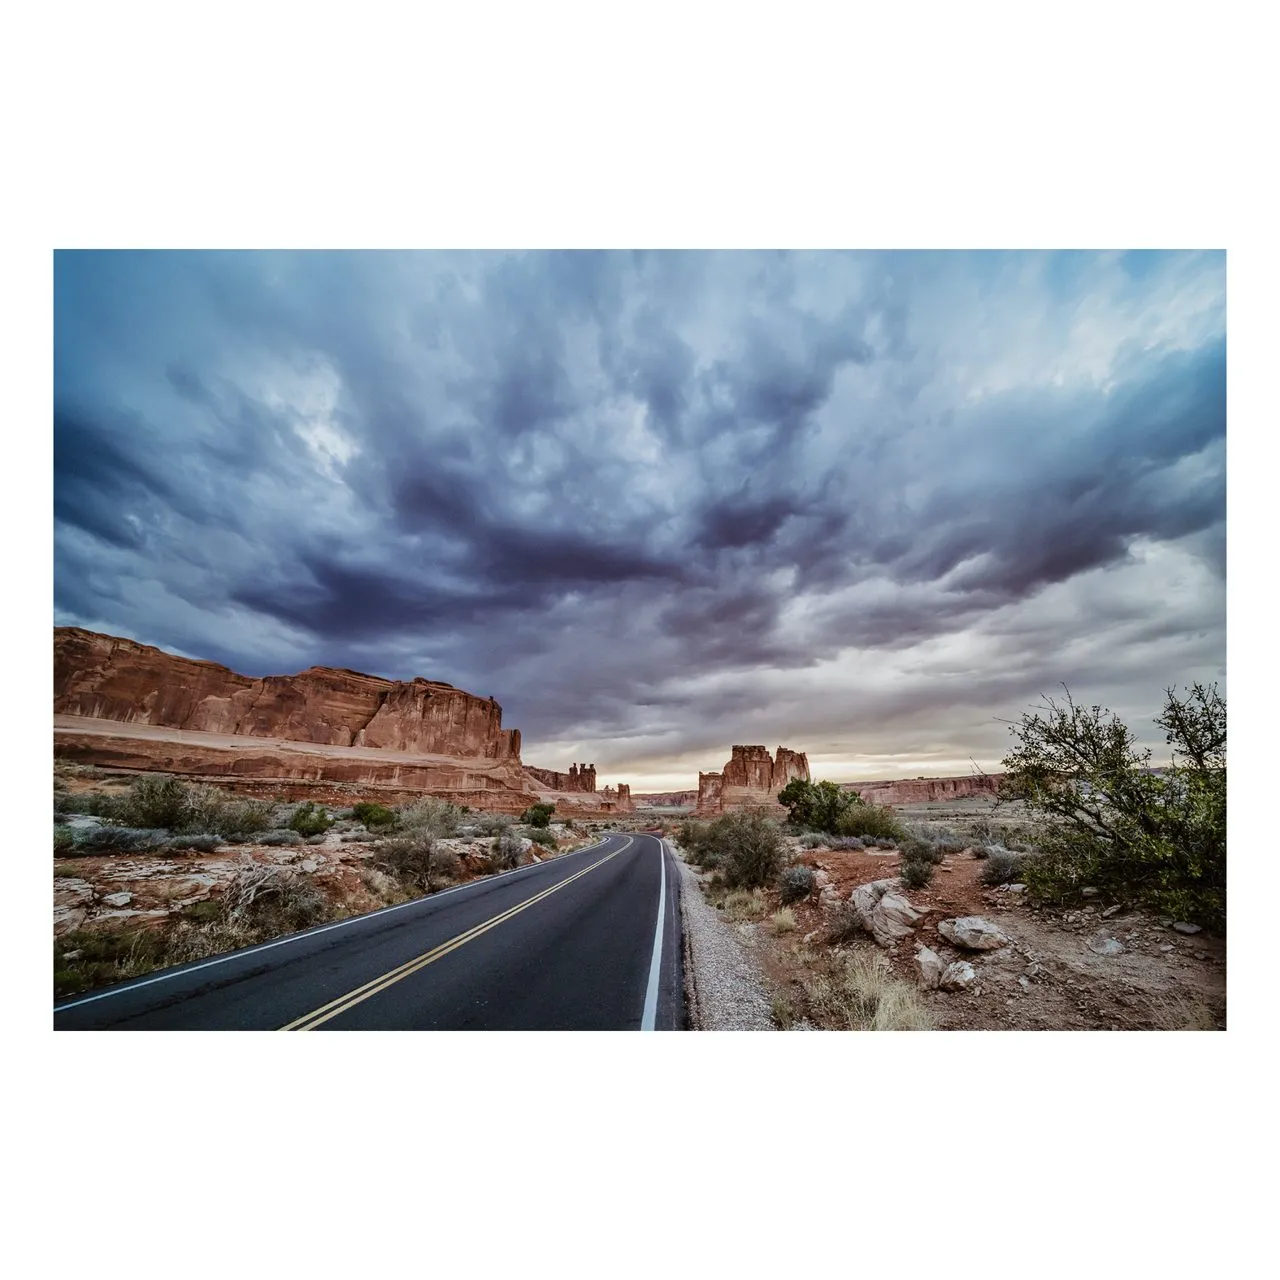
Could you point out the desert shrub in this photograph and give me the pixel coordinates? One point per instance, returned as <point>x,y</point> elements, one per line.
<point>279,837</point>
<point>538,815</point>
<point>915,873</point>
<point>795,883</point>
<point>492,824</point>
<point>64,841</point>
<point>436,817</point>
<point>914,849</point>
<point>153,803</point>
<point>744,904</point>
<point>373,815</point>
<point>538,835</point>
<point>236,820</point>
<point>507,850</point>
<point>812,840</point>
<point>843,843</point>
<point>90,802</point>
<point>1002,866</point>
<point>752,845</point>
<point>119,840</point>
<point>320,839</point>
<point>274,900</point>
<point>199,843</point>
<point>310,820</point>
<point>844,924</point>
<point>354,837</point>
<point>204,911</point>
<point>784,1013</point>
<point>871,820</point>
<point>1105,818</point>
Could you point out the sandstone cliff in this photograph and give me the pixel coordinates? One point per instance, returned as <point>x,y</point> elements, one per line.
<point>581,777</point>
<point>666,799</point>
<point>924,790</point>
<point>751,777</point>
<point>108,678</point>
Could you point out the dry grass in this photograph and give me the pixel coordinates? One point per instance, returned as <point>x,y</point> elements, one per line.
<point>783,921</point>
<point>745,904</point>
<point>860,994</point>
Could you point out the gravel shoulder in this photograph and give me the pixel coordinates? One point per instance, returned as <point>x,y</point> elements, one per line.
<point>724,985</point>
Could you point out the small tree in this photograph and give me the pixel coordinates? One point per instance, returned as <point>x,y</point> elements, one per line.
<point>538,815</point>
<point>1109,820</point>
<point>816,805</point>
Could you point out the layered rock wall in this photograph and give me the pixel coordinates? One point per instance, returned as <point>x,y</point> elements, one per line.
<point>108,678</point>
<point>581,777</point>
<point>926,790</point>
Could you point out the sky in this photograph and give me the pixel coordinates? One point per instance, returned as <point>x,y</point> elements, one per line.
<point>872,506</point>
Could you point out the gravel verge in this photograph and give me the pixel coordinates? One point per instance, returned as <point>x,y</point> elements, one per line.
<point>723,985</point>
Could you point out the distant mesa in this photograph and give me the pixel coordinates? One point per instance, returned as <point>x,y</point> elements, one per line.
<point>118,703</point>
<point>925,790</point>
<point>752,777</point>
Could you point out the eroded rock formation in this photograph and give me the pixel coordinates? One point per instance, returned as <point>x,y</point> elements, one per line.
<point>325,733</point>
<point>107,678</point>
<point>751,777</point>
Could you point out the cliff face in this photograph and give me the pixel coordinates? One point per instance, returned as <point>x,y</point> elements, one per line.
<point>666,799</point>
<point>107,678</point>
<point>924,790</point>
<point>751,777</point>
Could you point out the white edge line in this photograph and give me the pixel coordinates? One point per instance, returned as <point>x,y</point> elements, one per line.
<point>312,933</point>
<point>649,1020</point>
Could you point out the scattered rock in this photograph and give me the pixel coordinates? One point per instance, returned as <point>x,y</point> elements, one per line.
<point>1105,945</point>
<point>931,967</point>
<point>309,865</point>
<point>1112,911</point>
<point>957,976</point>
<point>973,932</point>
<point>1181,926</point>
<point>820,879</point>
<point>73,955</point>
<point>117,899</point>
<point>885,913</point>
<point>1089,893</point>
<point>829,898</point>
<point>1168,946</point>
<point>1024,982</point>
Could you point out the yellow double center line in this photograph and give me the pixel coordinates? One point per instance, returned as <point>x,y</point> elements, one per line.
<point>309,1021</point>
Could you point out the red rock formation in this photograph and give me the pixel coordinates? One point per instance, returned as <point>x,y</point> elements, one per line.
<point>924,790</point>
<point>579,777</point>
<point>107,678</point>
<point>751,777</point>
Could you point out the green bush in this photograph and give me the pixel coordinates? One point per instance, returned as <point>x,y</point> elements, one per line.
<point>869,820</point>
<point>310,820</point>
<point>408,858</point>
<point>64,841</point>
<point>1106,819</point>
<point>154,802</point>
<point>538,835</point>
<point>373,815</point>
<point>279,837</point>
<point>90,802</point>
<point>752,845</point>
<point>817,806</point>
<point>237,820</point>
<point>538,815</point>
<point>201,843</point>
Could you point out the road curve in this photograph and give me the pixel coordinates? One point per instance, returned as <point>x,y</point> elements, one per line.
<point>588,942</point>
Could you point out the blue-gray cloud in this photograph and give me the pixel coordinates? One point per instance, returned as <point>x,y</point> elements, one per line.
<point>617,489</point>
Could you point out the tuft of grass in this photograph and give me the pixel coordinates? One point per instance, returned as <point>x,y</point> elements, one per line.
<point>784,1013</point>
<point>860,994</point>
<point>99,840</point>
<point>783,921</point>
<point>745,904</point>
<point>844,924</point>
<point>200,843</point>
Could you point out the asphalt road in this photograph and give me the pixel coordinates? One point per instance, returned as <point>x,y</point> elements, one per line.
<point>578,943</point>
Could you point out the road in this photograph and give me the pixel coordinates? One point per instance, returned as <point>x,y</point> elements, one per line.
<point>577,943</point>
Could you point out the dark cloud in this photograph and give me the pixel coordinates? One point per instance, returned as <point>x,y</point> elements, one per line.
<point>650,500</point>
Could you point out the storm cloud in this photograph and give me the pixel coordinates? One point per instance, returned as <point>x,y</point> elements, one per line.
<point>865,504</point>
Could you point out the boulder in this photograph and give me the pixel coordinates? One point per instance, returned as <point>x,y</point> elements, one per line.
<point>1181,926</point>
<point>973,932</point>
<point>885,913</point>
<point>117,899</point>
<point>957,976</point>
<point>931,967</point>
